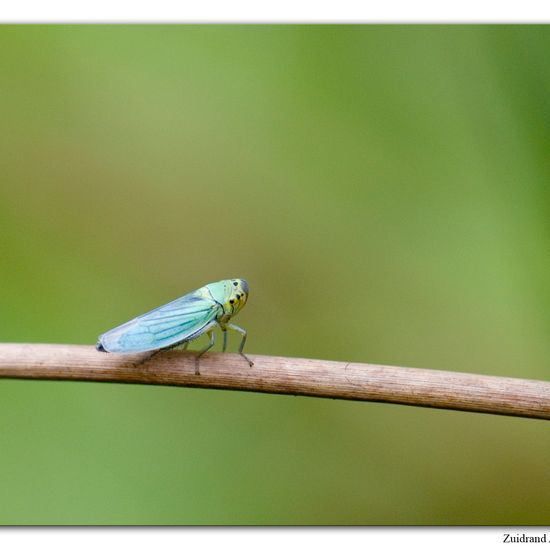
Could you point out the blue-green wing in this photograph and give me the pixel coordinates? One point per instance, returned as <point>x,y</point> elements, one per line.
<point>179,321</point>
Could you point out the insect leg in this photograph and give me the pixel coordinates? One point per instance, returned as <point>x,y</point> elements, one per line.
<point>147,357</point>
<point>204,350</point>
<point>153,353</point>
<point>243,341</point>
<point>224,339</point>
<point>180,346</point>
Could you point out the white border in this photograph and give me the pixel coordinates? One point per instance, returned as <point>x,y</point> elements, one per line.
<point>282,11</point>
<point>452,538</point>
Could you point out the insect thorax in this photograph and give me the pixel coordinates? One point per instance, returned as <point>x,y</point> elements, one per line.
<point>224,319</point>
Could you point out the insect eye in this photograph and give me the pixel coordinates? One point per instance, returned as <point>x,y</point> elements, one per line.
<point>231,301</point>
<point>235,283</point>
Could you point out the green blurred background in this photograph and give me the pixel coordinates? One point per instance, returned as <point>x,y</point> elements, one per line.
<point>384,189</point>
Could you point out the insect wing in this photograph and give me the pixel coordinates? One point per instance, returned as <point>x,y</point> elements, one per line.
<point>183,319</point>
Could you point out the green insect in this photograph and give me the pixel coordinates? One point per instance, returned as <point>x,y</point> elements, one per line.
<point>177,323</point>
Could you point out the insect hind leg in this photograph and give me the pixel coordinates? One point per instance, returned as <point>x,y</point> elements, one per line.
<point>180,346</point>
<point>147,357</point>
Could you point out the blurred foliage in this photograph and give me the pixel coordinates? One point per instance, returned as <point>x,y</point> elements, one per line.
<point>384,189</point>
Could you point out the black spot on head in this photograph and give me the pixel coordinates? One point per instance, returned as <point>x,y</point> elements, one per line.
<point>231,301</point>
<point>235,283</point>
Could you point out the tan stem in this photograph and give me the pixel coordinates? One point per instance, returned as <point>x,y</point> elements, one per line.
<point>285,375</point>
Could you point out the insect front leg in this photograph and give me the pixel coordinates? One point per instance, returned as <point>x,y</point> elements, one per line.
<point>203,351</point>
<point>243,332</point>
